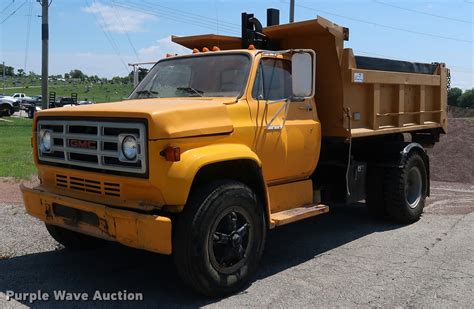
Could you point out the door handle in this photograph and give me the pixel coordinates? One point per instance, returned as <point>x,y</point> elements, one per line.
<point>307,107</point>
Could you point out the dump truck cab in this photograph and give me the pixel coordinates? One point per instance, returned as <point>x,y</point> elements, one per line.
<point>245,134</point>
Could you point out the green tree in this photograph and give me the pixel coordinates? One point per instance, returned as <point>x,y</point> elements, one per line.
<point>21,72</point>
<point>77,74</point>
<point>467,99</point>
<point>9,71</point>
<point>453,95</point>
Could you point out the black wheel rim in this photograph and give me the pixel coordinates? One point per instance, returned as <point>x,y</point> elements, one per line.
<point>230,240</point>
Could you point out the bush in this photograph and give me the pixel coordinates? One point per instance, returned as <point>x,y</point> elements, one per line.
<point>466,99</point>
<point>453,95</point>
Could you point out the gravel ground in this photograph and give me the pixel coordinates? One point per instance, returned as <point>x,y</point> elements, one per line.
<point>343,258</point>
<point>451,158</point>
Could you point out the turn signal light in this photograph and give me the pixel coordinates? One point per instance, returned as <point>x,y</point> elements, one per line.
<point>171,153</point>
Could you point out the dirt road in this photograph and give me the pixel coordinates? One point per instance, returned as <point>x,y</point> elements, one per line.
<point>344,258</point>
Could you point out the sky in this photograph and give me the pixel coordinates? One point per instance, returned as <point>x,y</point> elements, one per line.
<point>100,37</point>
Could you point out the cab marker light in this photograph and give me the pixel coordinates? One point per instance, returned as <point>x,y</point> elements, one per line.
<point>171,153</point>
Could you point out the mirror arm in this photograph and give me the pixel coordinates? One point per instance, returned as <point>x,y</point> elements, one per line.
<point>284,106</point>
<point>297,99</point>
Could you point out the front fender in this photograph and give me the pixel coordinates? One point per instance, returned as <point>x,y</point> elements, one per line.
<point>180,175</point>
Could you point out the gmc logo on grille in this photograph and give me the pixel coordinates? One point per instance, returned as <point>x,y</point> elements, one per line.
<point>77,143</point>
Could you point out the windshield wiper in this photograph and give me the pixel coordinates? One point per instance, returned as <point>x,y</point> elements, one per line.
<point>191,90</point>
<point>147,92</point>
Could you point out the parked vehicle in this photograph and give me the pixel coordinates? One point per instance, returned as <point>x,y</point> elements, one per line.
<point>79,103</point>
<point>66,101</point>
<point>33,101</point>
<point>246,134</point>
<point>6,105</point>
<point>86,102</point>
<point>20,97</point>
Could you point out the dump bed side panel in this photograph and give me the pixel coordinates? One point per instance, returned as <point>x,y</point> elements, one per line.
<point>383,102</point>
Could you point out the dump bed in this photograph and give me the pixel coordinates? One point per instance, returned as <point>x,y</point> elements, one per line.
<point>358,96</point>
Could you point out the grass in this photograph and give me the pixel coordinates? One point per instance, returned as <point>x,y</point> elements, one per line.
<point>16,157</point>
<point>106,92</point>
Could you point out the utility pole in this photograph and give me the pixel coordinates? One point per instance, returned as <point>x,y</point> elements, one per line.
<point>44,53</point>
<point>3,69</point>
<point>292,11</point>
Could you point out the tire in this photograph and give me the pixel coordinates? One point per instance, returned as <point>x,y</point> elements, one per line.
<point>5,110</point>
<point>406,190</point>
<point>73,240</point>
<point>11,111</point>
<point>375,200</point>
<point>229,212</point>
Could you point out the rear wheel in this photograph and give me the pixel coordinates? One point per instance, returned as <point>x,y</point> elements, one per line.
<point>406,189</point>
<point>219,238</point>
<point>73,240</point>
<point>31,112</point>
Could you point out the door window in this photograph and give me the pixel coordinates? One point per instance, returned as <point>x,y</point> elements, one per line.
<point>273,80</point>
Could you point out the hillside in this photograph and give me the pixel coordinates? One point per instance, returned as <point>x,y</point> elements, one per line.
<point>452,159</point>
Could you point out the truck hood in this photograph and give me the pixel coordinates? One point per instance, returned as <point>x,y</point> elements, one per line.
<point>167,117</point>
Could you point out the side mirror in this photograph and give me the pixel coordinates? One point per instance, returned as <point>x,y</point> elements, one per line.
<point>303,65</point>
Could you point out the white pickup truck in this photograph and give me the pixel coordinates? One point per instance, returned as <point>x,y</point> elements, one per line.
<point>6,105</point>
<point>10,104</point>
<point>20,97</point>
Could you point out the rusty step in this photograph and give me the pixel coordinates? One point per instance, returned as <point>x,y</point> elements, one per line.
<point>296,214</point>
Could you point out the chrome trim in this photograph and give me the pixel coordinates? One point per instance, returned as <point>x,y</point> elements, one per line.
<point>100,138</point>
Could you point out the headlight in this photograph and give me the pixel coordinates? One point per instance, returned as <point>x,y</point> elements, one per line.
<point>129,147</point>
<point>45,141</point>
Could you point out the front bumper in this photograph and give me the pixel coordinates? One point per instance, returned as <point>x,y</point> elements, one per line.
<point>142,231</point>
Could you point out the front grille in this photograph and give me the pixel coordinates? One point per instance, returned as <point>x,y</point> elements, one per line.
<point>88,185</point>
<point>93,145</point>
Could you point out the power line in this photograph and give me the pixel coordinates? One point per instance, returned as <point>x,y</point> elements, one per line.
<point>204,23</point>
<point>190,18</point>
<point>191,14</point>
<point>28,28</point>
<point>13,13</point>
<point>421,12</point>
<point>6,8</point>
<point>109,37</point>
<point>170,16</point>
<point>217,16</point>
<point>385,26</point>
<point>117,13</point>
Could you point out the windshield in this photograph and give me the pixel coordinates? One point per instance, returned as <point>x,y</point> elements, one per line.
<point>221,75</point>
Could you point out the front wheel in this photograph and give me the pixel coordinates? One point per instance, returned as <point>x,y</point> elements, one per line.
<point>219,238</point>
<point>406,190</point>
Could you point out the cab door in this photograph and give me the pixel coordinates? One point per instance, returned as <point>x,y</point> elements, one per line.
<point>287,135</point>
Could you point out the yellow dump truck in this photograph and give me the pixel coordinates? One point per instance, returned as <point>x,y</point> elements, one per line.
<point>245,134</point>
